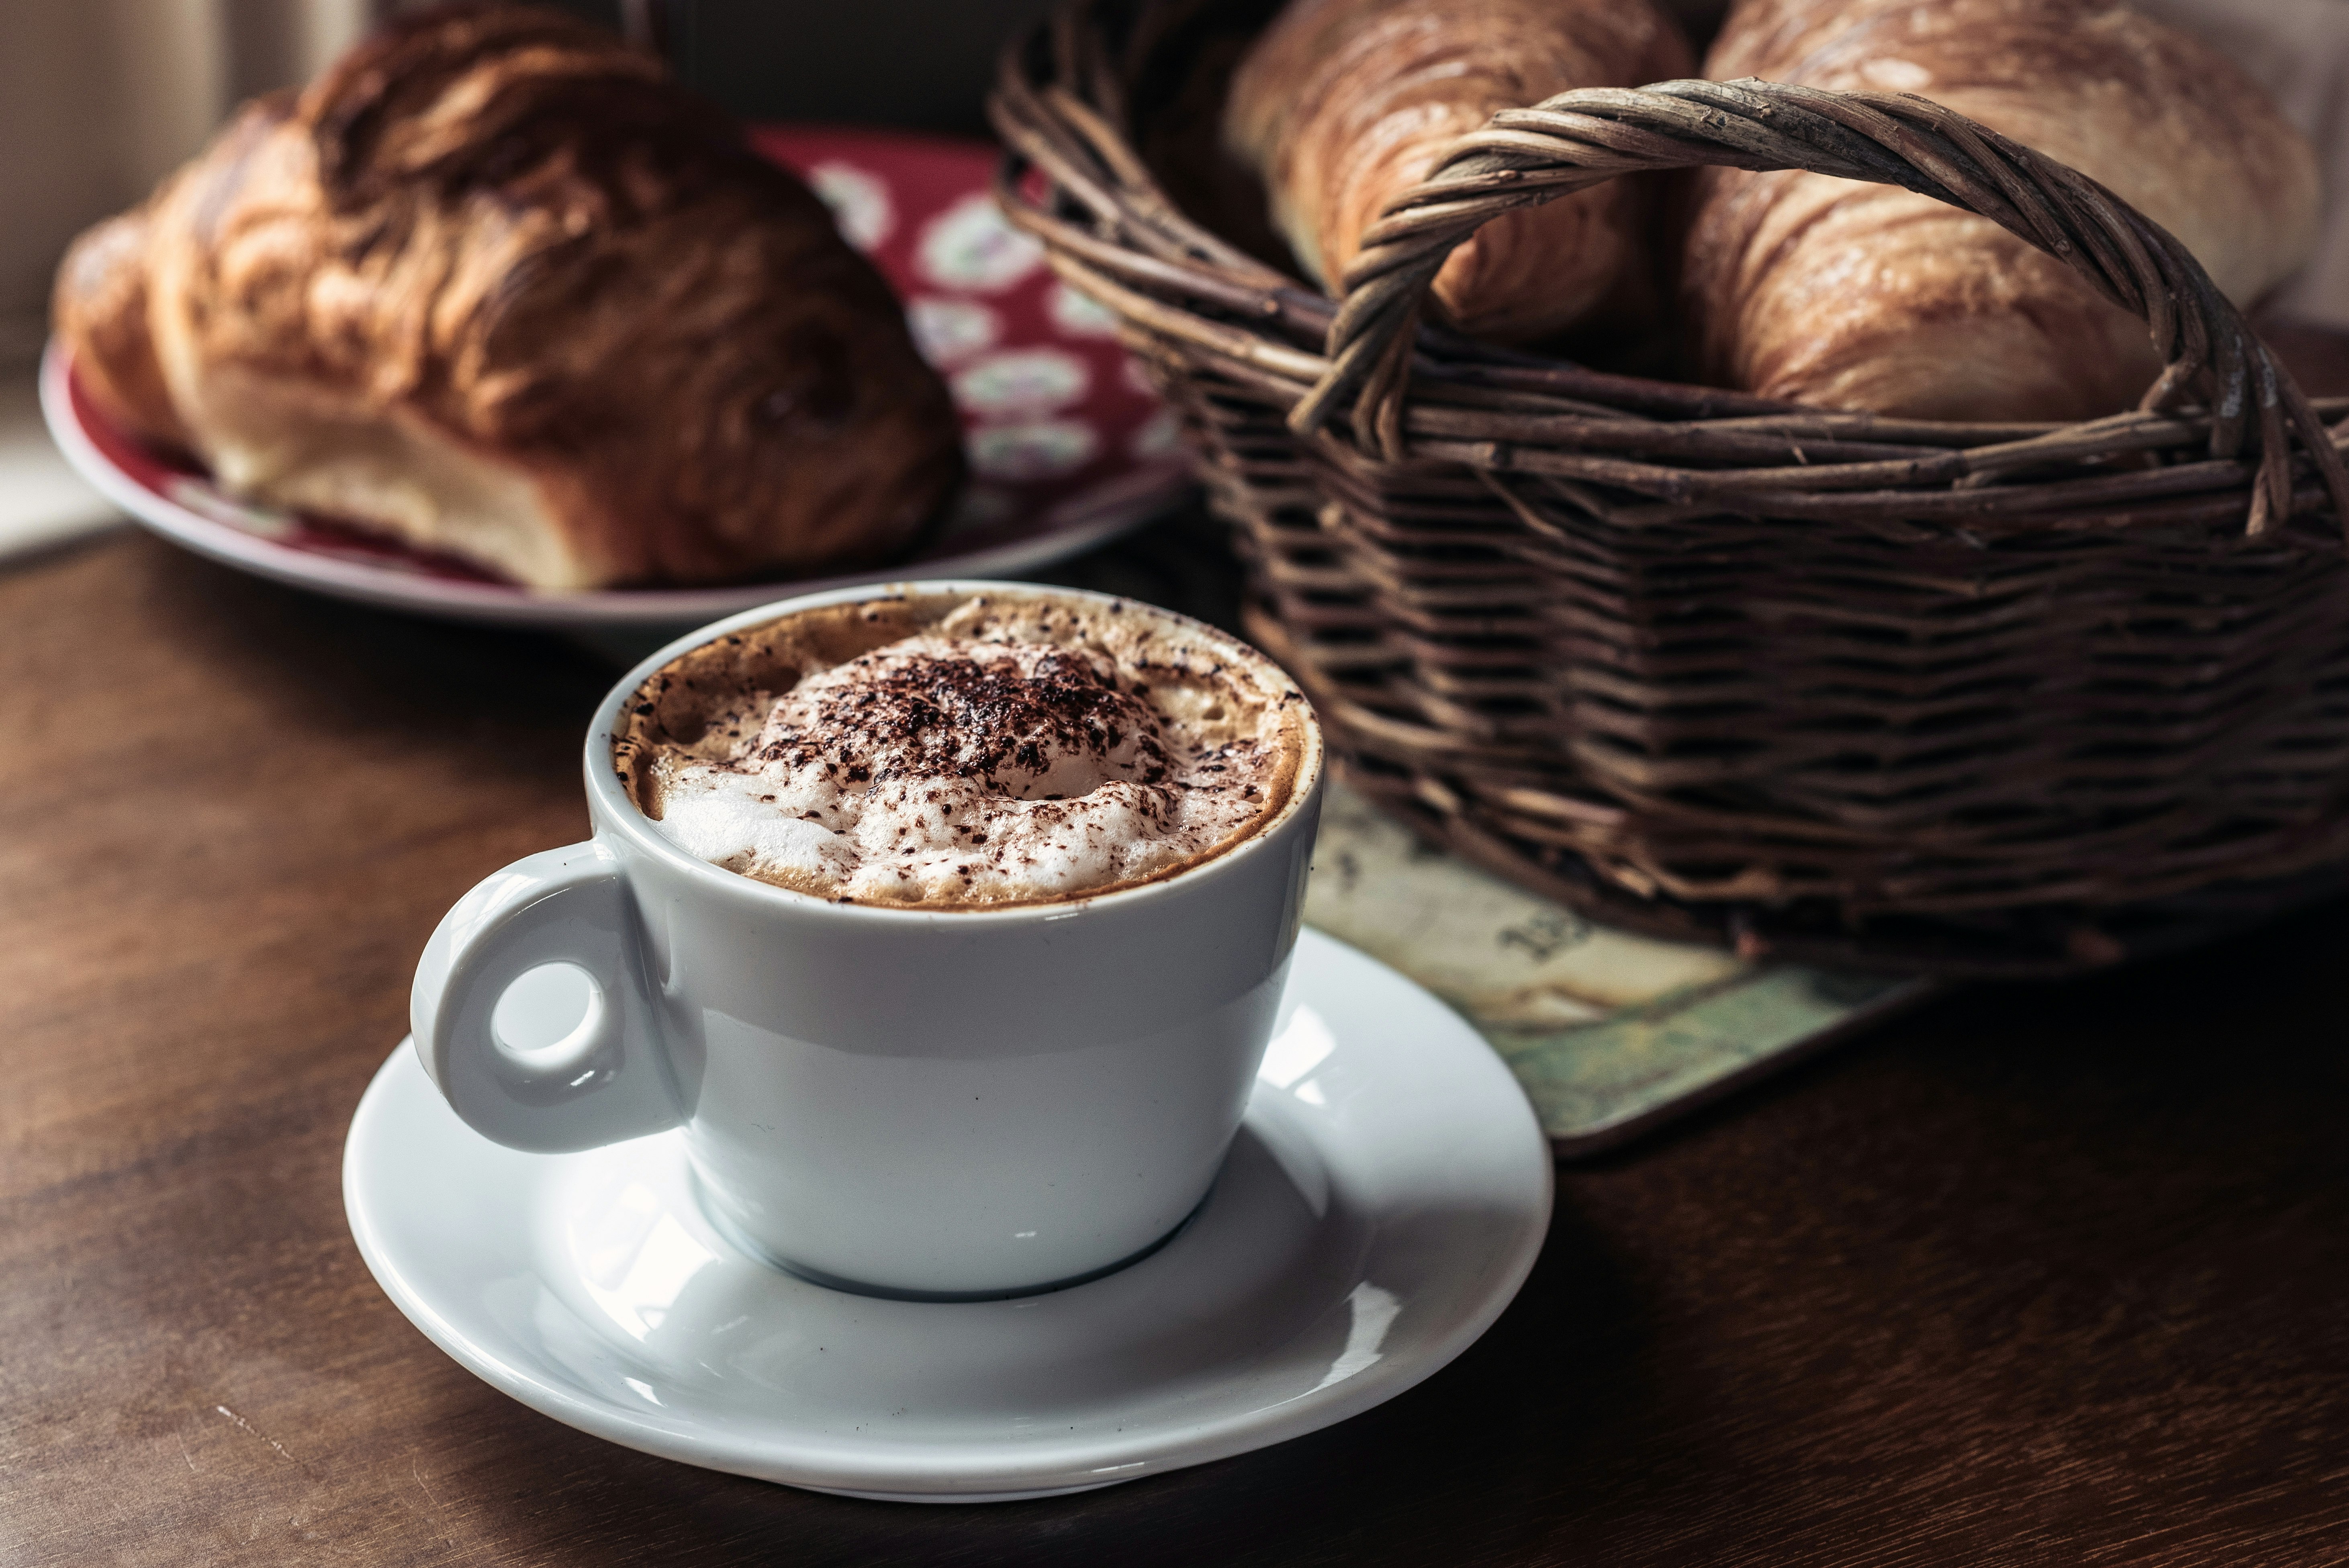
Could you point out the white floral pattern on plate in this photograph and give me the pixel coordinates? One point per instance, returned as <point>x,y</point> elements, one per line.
<point>859,200</point>
<point>969,246</point>
<point>949,331</point>
<point>1035,449</point>
<point>1077,316</point>
<point>1021,381</point>
<point>1160,437</point>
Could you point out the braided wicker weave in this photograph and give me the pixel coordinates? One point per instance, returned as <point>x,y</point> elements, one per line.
<point>1964,698</point>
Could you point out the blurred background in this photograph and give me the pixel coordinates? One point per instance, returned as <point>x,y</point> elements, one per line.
<point>100,99</point>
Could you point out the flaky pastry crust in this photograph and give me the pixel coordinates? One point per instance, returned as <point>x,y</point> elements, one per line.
<point>496,284</point>
<point>1868,297</point>
<point>1345,105</point>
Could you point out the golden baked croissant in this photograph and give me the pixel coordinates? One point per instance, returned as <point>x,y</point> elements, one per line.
<point>1868,297</point>
<point>494,283</point>
<point>1343,105</point>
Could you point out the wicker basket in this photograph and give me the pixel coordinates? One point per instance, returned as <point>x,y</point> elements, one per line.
<point>1959,698</point>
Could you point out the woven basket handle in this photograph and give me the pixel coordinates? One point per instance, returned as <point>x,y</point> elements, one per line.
<point>1526,157</point>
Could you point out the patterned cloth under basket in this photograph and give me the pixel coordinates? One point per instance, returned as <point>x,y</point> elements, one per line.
<point>1955,698</point>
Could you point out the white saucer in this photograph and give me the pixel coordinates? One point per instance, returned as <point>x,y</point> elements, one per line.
<point>1383,1202</point>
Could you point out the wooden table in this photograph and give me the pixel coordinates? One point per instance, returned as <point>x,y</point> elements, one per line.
<point>2035,1275</point>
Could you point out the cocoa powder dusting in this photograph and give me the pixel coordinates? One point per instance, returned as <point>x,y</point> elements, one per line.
<point>960,753</point>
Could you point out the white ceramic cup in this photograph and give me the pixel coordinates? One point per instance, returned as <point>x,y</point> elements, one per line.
<point>932,1104</point>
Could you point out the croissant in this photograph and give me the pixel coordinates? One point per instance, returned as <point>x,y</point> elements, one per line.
<point>497,286</point>
<point>1342,105</point>
<point>1866,298</point>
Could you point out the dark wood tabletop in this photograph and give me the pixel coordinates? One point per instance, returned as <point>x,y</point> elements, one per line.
<point>2052,1274</point>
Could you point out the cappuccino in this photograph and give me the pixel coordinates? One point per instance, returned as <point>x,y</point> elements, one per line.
<point>960,751</point>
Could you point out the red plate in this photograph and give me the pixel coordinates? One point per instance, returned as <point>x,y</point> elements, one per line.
<point>1068,445</point>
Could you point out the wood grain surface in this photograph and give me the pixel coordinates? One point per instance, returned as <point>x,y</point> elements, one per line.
<point>2037,1276</point>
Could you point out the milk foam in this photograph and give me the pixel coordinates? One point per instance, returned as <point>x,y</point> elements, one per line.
<point>998,756</point>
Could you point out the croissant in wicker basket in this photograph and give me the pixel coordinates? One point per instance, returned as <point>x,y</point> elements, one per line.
<point>1958,697</point>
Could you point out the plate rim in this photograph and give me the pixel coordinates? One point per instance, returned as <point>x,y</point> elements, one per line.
<point>1126,508</point>
<point>977,1475</point>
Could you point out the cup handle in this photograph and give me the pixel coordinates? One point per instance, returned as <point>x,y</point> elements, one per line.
<point>607,1080</point>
